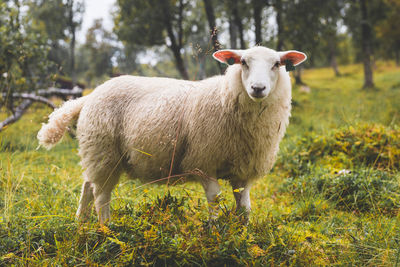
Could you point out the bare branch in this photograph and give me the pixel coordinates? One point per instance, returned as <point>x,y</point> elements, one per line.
<point>180,27</point>
<point>60,92</point>
<point>19,111</point>
<point>35,98</point>
<point>52,91</point>
<point>39,96</point>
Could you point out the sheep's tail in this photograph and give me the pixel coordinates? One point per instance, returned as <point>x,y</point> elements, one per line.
<point>59,120</point>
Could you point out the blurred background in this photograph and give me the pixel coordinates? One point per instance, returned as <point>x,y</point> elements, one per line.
<point>43,42</point>
<point>62,44</point>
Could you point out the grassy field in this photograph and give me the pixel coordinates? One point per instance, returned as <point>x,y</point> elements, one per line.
<point>333,197</point>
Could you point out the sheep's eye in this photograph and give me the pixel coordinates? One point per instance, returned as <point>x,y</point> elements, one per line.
<point>243,62</point>
<point>277,64</point>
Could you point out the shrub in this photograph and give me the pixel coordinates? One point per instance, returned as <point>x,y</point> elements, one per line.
<point>359,191</point>
<point>370,145</point>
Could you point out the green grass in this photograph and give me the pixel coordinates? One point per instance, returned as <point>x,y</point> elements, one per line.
<point>305,212</point>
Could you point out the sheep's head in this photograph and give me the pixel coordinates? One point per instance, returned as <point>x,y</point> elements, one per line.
<point>260,67</point>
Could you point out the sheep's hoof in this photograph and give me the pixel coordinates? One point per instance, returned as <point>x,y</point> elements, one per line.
<point>243,215</point>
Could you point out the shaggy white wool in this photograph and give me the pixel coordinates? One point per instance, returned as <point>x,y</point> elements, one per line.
<point>59,120</point>
<point>140,125</point>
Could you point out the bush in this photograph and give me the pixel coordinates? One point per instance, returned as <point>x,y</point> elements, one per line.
<point>370,145</point>
<point>23,54</point>
<point>359,191</point>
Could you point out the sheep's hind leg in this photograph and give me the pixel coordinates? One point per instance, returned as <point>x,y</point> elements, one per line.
<point>212,189</point>
<point>86,201</point>
<point>241,192</point>
<point>100,181</point>
<point>102,196</point>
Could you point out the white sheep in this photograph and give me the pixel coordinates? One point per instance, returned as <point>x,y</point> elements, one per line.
<point>226,127</point>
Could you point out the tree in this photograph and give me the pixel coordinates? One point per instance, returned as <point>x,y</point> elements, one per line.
<point>58,21</point>
<point>366,35</point>
<point>98,50</point>
<point>279,22</point>
<point>330,17</point>
<point>232,28</point>
<point>213,28</point>
<point>138,22</point>
<point>208,7</point>
<point>48,19</point>
<point>233,5</point>
<point>176,39</point>
<point>257,9</point>
<point>126,58</point>
<point>24,66</point>
<point>360,19</point>
<point>302,29</point>
<point>388,31</point>
<point>75,10</point>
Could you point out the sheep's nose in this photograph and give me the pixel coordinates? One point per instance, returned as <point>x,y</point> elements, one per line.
<point>258,88</point>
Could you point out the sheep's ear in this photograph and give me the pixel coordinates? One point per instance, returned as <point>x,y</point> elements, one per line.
<point>292,57</point>
<point>229,57</point>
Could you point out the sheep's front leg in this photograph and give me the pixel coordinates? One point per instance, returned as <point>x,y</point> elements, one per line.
<point>241,191</point>
<point>212,189</point>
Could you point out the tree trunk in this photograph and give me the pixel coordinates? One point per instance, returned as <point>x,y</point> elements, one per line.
<point>213,29</point>
<point>178,58</point>
<point>297,77</point>
<point>279,23</point>
<point>238,22</point>
<point>180,26</point>
<point>335,66</point>
<point>232,33</point>
<point>366,46</point>
<point>73,71</point>
<point>72,44</point>
<point>211,23</point>
<point>257,8</point>
<point>332,53</point>
<point>176,49</point>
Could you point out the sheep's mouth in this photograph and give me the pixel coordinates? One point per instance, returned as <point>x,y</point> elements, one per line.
<point>258,96</point>
<point>257,99</point>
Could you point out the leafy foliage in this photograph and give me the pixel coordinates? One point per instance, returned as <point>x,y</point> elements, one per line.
<point>388,32</point>
<point>58,21</point>
<point>358,191</point>
<point>22,54</point>
<point>96,53</point>
<point>354,146</point>
<point>139,22</point>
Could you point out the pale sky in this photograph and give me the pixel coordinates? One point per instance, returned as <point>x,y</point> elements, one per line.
<point>95,9</point>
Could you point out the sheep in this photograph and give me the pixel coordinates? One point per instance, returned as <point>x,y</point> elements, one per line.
<point>227,127</point>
